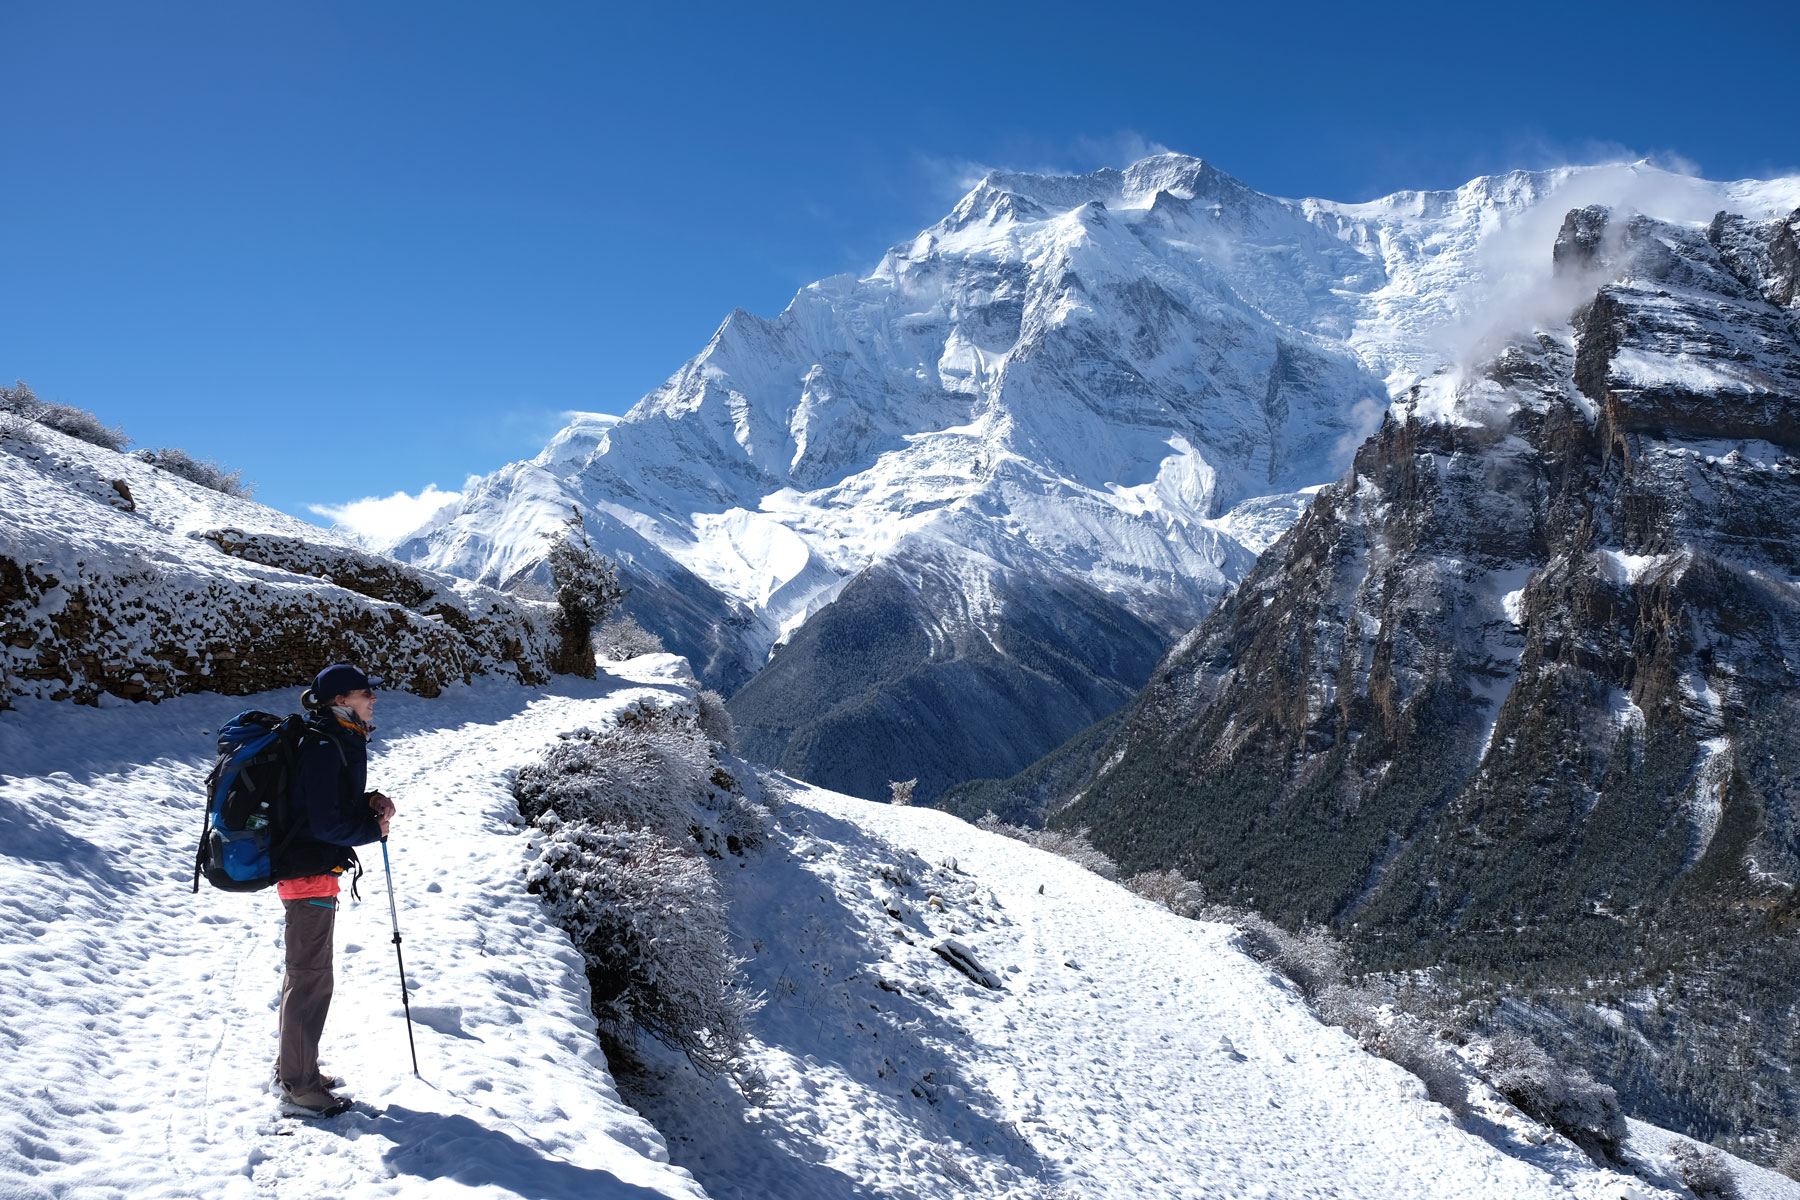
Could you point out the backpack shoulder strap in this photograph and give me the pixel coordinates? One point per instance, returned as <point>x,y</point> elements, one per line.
<point>308,730</point>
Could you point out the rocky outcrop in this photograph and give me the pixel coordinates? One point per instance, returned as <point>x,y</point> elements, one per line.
<point>102,594</point>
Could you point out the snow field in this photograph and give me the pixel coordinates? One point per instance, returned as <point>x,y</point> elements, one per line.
<point>139,1019</point>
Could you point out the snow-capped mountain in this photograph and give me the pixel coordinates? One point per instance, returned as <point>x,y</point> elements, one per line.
<point>1032,445</point>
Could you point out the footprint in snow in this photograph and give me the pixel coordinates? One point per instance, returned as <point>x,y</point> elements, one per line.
<point>1231,1050</point>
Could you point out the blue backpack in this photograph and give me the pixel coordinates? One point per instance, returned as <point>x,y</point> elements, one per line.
<point>247,800</point>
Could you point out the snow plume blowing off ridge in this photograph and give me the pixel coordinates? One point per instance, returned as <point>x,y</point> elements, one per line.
<point>379,521</point>
<point>1514,291</point>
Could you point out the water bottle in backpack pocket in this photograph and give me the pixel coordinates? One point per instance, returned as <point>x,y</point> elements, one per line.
<point>247,799</point>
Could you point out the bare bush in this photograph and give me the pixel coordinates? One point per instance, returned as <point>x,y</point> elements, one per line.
<point>620,637</point>
<point>19,408</point>
<point>1405,1041</point>
<point>1787,1159</point>
<point>18,430</point>
<point>207,474</point>
<point>1567,1099</point>
<point>19,400</point>
<point>1076,848</point>
<point>628,815</point>
<point>1312,958</point>
<point>1704,1171</point>
<point>715,720</point>
<point>1314,961</point>
<point>82,424</point>
<point>652,928</point>
<point>1179,895</point>
<point>900,792</point>
<point>1073,846</point>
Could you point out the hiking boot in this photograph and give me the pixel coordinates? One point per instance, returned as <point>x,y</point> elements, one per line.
<point>313,1102</point>
<point>330,1083</point>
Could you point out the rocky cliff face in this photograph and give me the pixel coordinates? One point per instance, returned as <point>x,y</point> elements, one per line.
<point>1517,696</point>
<point>1077,404</point>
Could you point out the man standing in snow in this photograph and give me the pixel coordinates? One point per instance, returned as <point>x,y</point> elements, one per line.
<point>329,812</point>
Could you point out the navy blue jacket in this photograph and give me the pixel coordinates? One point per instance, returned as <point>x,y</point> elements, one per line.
<point>329,804</point>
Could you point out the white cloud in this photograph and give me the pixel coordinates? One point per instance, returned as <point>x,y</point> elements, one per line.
<point>383,520</point>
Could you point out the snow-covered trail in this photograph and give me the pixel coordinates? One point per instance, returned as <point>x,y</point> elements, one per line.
<point>137,1020</point>
<point>1127,1053</point>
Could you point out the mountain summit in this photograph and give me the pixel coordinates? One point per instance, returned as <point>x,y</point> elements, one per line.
<point>1000,472</point>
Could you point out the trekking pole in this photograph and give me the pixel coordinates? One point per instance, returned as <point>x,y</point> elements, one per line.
<point>394,915</point>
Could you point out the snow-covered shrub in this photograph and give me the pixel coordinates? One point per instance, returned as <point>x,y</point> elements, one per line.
<point>652,929</point>
<point>629,815</point>
<point>715,720</point>
<point>1314,961</point>
<point>1076,848</point>
<point>1179,895</point>
<point>620,637</point>
<point>207,474</point>
<point>1407,1042</point>
<point>20,401</point>
<point>1704,1171</point>
<point>654,770</point>
<point>19,408</point>
<point>80,423</point>
<point>1569,1100</point>
<point>900,791</point>
<point>1312,958</point>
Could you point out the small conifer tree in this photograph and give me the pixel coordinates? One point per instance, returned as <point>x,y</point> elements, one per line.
<point>587,590</point>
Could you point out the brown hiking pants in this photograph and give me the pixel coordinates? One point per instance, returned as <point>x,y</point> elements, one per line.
<point>305,990</point>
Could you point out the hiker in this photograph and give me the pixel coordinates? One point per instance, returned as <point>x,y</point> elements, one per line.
<point>330,812</point>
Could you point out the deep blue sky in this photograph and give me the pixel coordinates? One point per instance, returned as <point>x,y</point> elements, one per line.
<point>354,248</point>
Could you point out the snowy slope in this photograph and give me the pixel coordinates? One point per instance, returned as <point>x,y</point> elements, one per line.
<point>1125,1052</point>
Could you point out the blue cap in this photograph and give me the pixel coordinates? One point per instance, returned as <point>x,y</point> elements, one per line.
<point>340,679</point>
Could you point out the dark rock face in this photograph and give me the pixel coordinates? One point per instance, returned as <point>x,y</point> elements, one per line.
<point>1690,344</point>
<point>895,680</point>
<point>1517,698</point>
